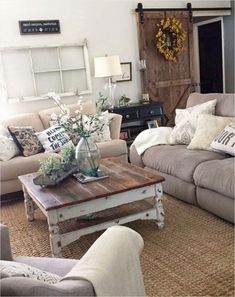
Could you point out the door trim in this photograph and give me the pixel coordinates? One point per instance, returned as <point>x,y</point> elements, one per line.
<point>196,50</point>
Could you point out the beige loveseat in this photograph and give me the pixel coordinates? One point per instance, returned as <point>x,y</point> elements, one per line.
<point>19,165</point>
<point>200,177</point>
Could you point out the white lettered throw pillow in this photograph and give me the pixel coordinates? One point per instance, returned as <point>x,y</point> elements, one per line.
<point>186,121</point>
<point>208,127</point>
<point>225,141</point>
<point>16,269</point>
<point>53,138</point>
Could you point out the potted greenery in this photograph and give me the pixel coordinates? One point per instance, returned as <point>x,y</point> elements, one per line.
<point>53,170</point>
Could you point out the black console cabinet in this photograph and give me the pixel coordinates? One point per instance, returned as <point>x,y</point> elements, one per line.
<point>135,118</point>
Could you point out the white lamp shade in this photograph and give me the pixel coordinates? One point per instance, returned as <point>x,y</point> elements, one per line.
<point>107,66</point>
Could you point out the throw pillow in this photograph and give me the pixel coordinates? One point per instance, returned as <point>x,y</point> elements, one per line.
<point>102,122</point>
<point>208,127</point>
<point>26,140</point>
<point>73,136</point>
<point>225,141</point>
<point>54,138</point>
<point>4,131</point>
<point>16,269</point>
<point>186,121</point>
<point>8,148</point>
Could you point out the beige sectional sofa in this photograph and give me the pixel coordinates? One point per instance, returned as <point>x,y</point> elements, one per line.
<point>19,165</point>
<point>200,177</point>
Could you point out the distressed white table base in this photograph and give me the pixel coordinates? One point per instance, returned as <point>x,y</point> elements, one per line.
<point>55,216</point>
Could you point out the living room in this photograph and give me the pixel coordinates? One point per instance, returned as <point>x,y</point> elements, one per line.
<point>187,233</point>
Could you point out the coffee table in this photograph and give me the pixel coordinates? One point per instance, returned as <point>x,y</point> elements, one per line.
<point>70,199</point>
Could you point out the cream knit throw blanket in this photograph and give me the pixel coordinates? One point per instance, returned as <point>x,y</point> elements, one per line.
<point>112,264</point>
<point>151,137</point>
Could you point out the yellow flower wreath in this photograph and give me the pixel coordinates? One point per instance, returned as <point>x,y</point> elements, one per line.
<point>170,38</point>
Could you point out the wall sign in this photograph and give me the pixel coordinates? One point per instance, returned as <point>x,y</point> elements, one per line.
<point>39,27</point>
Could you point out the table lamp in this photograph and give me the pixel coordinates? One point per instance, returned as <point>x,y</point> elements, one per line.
<point>107,67</point>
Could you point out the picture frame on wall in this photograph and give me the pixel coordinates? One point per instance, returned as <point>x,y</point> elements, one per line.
<point>126,73</point>
<point>152,124</point>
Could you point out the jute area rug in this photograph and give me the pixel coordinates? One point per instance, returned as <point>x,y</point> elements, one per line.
<point>192,256</point>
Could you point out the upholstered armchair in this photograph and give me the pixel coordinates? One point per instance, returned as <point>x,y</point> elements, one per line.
<point>110,267</point>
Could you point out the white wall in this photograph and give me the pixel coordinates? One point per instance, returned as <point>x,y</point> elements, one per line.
<point>109,26</point>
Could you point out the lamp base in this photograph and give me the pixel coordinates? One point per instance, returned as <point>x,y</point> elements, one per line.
<point>109,89</point>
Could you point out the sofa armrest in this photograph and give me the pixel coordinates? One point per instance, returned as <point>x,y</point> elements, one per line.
<point>113,148</point>
<point>115,125</point>
<point>135,158</point>
<point>5,247</point>
<point>112,264</point>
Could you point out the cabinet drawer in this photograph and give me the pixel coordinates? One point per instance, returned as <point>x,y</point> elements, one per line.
<point>148,112</point>
<point>129,116</point>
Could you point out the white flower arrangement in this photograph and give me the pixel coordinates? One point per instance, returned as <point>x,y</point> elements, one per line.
<point>84,126</point>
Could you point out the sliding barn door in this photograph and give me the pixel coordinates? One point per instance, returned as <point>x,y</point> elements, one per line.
<point>166,81</point>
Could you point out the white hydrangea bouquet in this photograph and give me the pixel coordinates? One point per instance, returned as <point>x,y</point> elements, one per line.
<point>76,126</point>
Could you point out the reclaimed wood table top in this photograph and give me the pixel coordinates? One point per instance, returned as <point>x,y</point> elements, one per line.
<point>123,176</point>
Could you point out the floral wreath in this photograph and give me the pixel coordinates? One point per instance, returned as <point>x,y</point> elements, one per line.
<point>170,38</point>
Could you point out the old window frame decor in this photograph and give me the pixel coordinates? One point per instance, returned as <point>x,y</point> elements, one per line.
<point>29,73</point>
<point>126,73</point>
<point>170,38</point>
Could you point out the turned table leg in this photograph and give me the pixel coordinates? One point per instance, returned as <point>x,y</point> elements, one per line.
<point>29,205</point>
<point>159,206</point>
<point>54,236</point>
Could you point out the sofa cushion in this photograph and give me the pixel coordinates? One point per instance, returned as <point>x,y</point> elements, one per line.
<point>216,175</point>
<point>21,165</point>
<point>177,187</point>
<point>16,269</point>
<point>114,148</point>
<point>22,286</point>
<point>8,148</point>
<point>26,140</point>
<point>208,127</point>
<point>216,203</point>
<point>4,131</point>
<point>101,123</point>
<point>225,105</point>
<point>224,142</point>
<point>186,121</point>
<point>54,138</point>
<point>21,120</point>
<point>45,115</point>
<point>177,160</point>
<point>58,266</point>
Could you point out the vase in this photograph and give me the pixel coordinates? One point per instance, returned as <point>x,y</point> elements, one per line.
<point>88,156</point>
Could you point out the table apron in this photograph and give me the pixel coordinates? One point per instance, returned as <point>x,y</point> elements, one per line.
<point>99,204</point>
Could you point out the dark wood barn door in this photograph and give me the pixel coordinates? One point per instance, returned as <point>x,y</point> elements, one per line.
<point>166,81</point>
